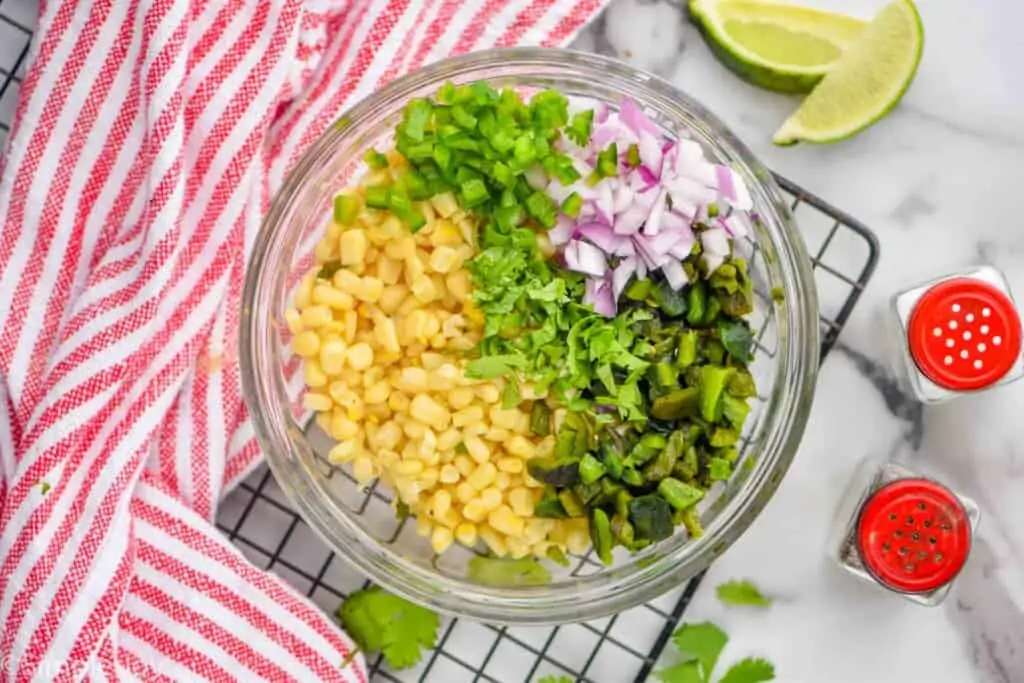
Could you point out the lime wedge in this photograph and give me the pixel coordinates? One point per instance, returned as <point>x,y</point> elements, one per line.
<point>867,81</point>
<point>774,45</point>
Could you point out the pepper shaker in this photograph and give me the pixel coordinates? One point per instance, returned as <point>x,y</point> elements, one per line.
<point>959,334</point>
<point>903,532</point>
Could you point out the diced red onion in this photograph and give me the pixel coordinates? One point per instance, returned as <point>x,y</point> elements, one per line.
<point>621,275</point>
<point>733,225</point>
<point>715,243</point>
<point>653,223</point>
<point>585,258</point>
<point>599,295</point>
<point>563,231</point>
<point>623,198</point>
<point>605,200</point>
<point>602,236</point>
<point>682,249</point>
<point>650,153</point>
<point>675,275</point>
<point>633,116</point>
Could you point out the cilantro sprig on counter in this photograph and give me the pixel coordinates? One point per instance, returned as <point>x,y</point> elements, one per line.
<point>741,593</point>
<point>381,622</point>
<point>701,644</point>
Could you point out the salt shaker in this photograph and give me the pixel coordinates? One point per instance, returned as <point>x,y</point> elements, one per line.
<point>960,333</point>
<point>903,532</point>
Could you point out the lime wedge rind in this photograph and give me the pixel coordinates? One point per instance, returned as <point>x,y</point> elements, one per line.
<point>802,24</point>
<point>865,84</point>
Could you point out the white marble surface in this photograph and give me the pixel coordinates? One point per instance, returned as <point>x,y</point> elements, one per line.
<point>939,180</point>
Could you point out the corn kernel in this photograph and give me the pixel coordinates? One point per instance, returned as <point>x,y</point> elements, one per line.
<point>577,542</point>
<point>378,393</point>
<point>440,503</point>
<point>332,356</point>
<point>502,519</point>
<point>520,447</point>
<point>460,398</point>
<point>408,468</point>
<point>449,474</point>
<point>464,465</point>
<point>304,291</point>
<point>423,526</point>
<point>505,419</point>
<point>444,204</point>
<point>346,281</point>
<point>444,378</point>
<point>324,251</point>
<point>459,284</point>
<point>423,289</point>
<point>467,416</point>
<point>352,247</point>
<point>351,319</point>
<point>535,531</point>
<point>517,549</point>
<point>313,373</point>
<point>444,259</point>
<point>344,451</point>
<point>465,493</point>
<point>494,540</point>
<point>510,465</point>
<point>477,449</point>
<point>497,434</point>
<point>391,298</point>
<point>427,410</point>
<point>488,393</point>
<point>306,344</point>
<point>413,380</point>
<point>474,511</point>
<point>370,290</point>
<point>316,316</point>
<point>521,501</point>
<point>441,539</point>
<point>428,447</point>
<point>502,480</point>
<point>398,402</point>
<point>490,497</point>
<point>293,319</point>
<point>414,429</point>
<point>342,427</point>
<point>465,534</point>
<point>327,295</point>
<point>387,336</point>
<point>318,402</point>
<point>363,470</point>
<point>360,356</point>
<point>483,476</point>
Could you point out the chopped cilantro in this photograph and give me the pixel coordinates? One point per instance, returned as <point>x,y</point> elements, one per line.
<point>700,645</point>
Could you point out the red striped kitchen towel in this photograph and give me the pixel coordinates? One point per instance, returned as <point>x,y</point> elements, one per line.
<point>149,138</point>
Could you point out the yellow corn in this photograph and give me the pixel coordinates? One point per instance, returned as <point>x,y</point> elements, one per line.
<point>502,519</point>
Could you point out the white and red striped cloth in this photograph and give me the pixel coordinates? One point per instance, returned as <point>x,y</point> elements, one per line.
<point>149,138</point>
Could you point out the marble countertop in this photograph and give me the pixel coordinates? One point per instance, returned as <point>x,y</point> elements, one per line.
<point>938,180</point>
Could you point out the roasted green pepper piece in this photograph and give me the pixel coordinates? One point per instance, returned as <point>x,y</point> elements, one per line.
<point>591,469</point>
<point>677,404</point>
<point>713,379</point>
<point>686,353</point>
<point>637,290</point>
<point>678,494</point>
<point>554,471</point>
<point>651,517</point>
<point>696,303</point>
<point>571,503</point>
<point>601,535</point>
<point>540,418</point>
<point>735,410</point>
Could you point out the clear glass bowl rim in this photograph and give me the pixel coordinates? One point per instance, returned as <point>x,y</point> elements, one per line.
<point>792,392</point>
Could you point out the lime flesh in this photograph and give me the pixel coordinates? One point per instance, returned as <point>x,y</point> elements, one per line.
<point>774,45</point>
<point>865,83</point>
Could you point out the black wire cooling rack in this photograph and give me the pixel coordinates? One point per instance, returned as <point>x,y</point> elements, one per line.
<point>257,516</point>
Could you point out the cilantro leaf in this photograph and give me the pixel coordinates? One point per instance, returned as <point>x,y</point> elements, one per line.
<point>741,593</point>
<point>579,130</point>
<point>490,367</point>
<point>749,670</point>
<point>687,672</point>
<point>703,641</point>
<point>381,622</point>
<point>737,339</point>
<point>552,679</point>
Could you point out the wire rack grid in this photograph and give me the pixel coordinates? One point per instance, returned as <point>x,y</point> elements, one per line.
<point>258,518</point>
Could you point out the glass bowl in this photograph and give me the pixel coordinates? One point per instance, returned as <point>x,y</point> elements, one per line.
<point>361,525</point>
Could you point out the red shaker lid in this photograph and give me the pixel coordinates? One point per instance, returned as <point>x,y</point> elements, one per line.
<point>913,535</point>
<point>964,334</point>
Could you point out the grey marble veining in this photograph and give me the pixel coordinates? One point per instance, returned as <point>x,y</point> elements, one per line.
<point>939,181</point>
